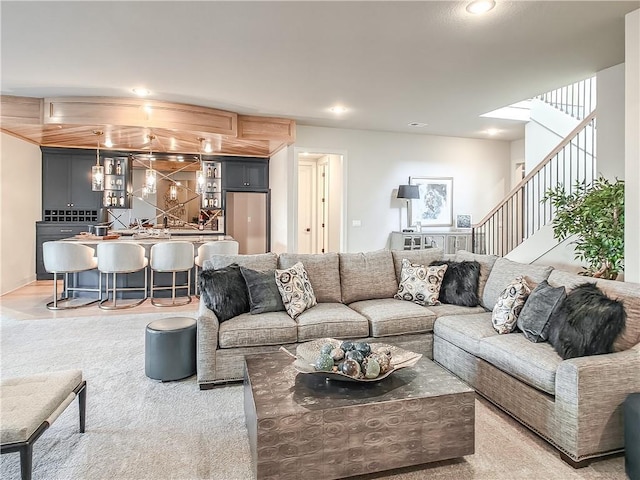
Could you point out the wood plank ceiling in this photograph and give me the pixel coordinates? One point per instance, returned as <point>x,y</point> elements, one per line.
<point>127,125</point>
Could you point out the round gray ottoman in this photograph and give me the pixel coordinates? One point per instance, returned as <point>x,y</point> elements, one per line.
<point>170,349</point>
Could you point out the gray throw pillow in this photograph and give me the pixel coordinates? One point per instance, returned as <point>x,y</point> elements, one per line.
<point>543,302</point>
<point>264,295</point>
<point>224,292</point>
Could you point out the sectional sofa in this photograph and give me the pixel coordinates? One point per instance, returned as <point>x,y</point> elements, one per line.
<point>574,404</point>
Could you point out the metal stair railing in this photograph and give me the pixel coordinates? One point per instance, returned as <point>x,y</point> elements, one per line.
<point>576,100</point>
<point>522,212</point>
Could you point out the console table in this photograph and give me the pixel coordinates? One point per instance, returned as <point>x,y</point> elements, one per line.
<point>450,242</point>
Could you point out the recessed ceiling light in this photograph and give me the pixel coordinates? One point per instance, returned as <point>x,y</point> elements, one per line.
<point>108,143</point>
<point>417,124</point>
<point>478,7</point>
<point>493,131</point>
<point>338,109</point>
<point>180,158</point>
<point>141,92</point>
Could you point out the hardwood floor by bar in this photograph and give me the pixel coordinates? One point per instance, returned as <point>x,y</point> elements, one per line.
<point>30,303</point>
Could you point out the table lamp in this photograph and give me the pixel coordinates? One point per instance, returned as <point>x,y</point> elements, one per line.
<point>407,192</point>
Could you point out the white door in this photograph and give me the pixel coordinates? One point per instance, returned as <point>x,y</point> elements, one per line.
<point>306,207</point>
<point>323,204</point>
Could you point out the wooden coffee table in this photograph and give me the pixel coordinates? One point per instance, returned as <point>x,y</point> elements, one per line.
<point>303,426</point>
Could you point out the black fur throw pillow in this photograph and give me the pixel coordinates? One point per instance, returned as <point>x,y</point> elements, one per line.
<point>224,291</point>
<point>460,283</point>
<point>587,323</point>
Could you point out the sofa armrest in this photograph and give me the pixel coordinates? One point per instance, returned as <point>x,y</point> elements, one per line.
<point>590,392</point>
<point>207,343</point>
<point>599,377</point>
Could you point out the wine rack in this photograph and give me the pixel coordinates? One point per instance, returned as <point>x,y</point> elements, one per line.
<point>115,183</point>
<point>70,215</point>
<point>212,191</point>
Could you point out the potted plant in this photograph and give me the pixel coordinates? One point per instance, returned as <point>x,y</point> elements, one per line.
<point>595,215</point>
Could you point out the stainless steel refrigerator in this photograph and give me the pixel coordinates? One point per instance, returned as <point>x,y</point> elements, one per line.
<point>247,220</point>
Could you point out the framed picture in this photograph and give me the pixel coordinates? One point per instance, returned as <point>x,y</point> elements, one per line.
<point>463,221</point>
<point>434,208</point>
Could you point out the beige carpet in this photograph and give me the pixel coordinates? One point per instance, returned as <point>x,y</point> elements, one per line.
<point>138,428</point>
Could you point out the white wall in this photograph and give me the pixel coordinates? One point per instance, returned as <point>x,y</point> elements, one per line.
<point>542,248</point>
<point>278,183</point>
<point>517,160</point>
<point>335,203</point>
<point>380,161</point>
<point>610,127</point>
<point>632,146</point>
<point>546,129</point>
<point>20,208</point>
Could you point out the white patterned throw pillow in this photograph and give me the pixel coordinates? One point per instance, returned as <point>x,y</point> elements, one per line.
<point>509,305</point>
<point>420,284</point>
<point>295,289</point>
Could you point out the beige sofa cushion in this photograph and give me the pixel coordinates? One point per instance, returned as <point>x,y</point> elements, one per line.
<point>627,292</point>
<point>533,363</point>
<point>486,264</point>
<point>568,280</point>
<point>466,331</point>
<point>261,262</point>
<point>323,270</point>
<point>422,257</point>
<point>246,330</point>
<point>365,276</point>
<point>504,272</point>
<point>333,320</point>
<point>389,316</point>
<point>445,309</point>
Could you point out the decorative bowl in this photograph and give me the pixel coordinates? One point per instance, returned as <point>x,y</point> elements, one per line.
<point>307,353</point>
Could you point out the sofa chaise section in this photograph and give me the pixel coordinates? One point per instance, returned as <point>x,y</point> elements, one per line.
<point>575,404</point>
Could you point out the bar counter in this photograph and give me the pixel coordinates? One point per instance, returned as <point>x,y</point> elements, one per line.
<point>147,242</point>
<point>90,279</point>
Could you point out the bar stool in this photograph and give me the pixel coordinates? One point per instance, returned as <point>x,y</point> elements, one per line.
<point>117,258</point>
<point>172,257</point>
<point>206,250</point>
<point>68,257</point>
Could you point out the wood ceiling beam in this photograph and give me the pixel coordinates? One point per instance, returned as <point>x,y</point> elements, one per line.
<point>70,122</point>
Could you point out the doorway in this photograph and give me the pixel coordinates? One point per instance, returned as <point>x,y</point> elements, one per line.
<point>320,202</point>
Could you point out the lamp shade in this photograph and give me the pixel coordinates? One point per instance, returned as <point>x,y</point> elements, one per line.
<point>408,191</point>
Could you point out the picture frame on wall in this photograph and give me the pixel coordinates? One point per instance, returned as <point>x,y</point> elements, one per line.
<point>463,221</point>
<point>434,208</point>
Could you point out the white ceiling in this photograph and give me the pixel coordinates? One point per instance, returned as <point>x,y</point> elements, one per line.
<point>389,63</point>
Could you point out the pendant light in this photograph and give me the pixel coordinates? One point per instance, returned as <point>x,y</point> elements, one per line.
<point>97,171</point>
<point>200,175</point>
<point>173,192</point>
<point>150,176</point>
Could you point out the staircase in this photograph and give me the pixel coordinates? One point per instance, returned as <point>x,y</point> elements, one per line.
<point>523,212</point>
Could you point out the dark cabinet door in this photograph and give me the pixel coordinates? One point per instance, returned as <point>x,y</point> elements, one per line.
<point>255,175</point>
<point>80,193</point>
<point>55,181</point>
<point>246,175</point>
<point>66,181</point>
<point>233,175</point>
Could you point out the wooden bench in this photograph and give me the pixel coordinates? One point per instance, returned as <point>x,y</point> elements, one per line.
<point>29,405</point>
